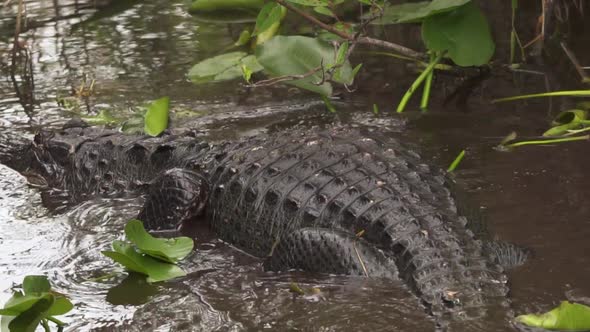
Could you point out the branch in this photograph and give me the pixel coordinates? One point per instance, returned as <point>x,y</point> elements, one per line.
<point>361,40</point>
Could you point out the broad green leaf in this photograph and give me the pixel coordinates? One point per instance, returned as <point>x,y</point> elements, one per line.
<point>61,306</point>
<point>567,317</point>
<point>223,67</point>
<point>156,117</point>
<point>18,303</point>
<point>169,250</point>
<point>464,33</point>
<point>28,320</point>
<point>35,285</point>
<point>221,5</point>
<point>298,55</point>
<point>156,270</point>
<point>416,11</point>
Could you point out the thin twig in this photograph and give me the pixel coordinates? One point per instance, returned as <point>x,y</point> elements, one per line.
<point>276,80</point>
<point>361,40</point>
<point>575,62</point>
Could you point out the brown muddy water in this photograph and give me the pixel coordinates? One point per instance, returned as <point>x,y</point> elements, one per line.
<point>136,51</point>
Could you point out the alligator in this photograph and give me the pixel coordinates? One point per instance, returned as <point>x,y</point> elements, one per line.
<point>344,200</point>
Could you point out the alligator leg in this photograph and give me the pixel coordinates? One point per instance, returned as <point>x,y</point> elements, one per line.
<point>329,251</point>
<point>175,196</point>
<point>506,254</point>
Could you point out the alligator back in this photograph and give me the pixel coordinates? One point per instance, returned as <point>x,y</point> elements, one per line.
<point>357,182</point>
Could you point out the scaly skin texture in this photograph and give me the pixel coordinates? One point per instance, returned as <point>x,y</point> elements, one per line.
<point>343,200</point>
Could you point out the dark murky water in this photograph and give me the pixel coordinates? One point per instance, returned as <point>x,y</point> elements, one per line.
<point>136,51</point>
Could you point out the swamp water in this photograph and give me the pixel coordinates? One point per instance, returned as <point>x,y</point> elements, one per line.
<point>137,51</point>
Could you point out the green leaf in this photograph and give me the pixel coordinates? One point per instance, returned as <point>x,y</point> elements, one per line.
<point>567,317</point>
<point>35,285</point>
<point>270,14</point>
<point>169,250</point>
<point>18,303</point>
<point>223,67</point>
<point>61,306</point>
<point>222,5</point>
<point>324,11</point>
<point>103,117</point>
<point>244,38</point>
<point>311,3</point>
<point>416,11</point>
<point>28,320</point>
<point>464,33</point>
<point>566,121</point>
<point>298,55</point>
<point>156,270</point>
<point>156,117</point>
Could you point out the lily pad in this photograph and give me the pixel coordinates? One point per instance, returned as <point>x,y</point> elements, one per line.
<point>154,269</point>
<point>416,11</point>
<point>299,55</point>
<point>156,117</point>
<point>567,317</point>
<point>169,250</point>
<point>463,33</point>
<point>223,67</point>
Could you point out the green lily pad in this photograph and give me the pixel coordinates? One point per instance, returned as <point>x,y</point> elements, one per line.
<point>154,269</point>
<point>299,55</point>
<point>567,317</point>
<point>169,250</point>
<point>463,33</point>
<point>156,117</point>
<point>223,67</point>
<point>416,11</point>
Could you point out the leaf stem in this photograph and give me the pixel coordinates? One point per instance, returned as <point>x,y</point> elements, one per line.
<point>572,93</point>
<point>549,141</point>
<point>426,91</point>
<point>456,162</point>
<point>417,82</point>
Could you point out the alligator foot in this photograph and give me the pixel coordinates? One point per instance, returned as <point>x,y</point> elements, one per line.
<point>177,195</point>
<point>506,254</point>
<point>329,251</point>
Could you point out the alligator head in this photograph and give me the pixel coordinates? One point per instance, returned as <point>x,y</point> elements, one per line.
<point>41,160</point>
<point>14,151</point>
